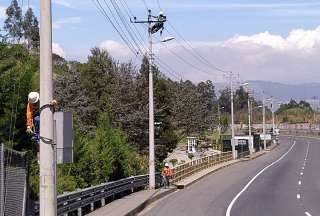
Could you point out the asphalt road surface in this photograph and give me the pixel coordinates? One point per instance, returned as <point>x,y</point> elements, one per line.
<point>284,182</point>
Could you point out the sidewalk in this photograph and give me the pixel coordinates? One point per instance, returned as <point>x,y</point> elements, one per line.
<point>132,204</point>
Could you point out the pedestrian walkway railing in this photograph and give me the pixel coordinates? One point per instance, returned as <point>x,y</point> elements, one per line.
<point>87,200</point>
<point>185,170</point>
<point>301,132</point>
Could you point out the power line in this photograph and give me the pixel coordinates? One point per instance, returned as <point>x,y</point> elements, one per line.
<point>128,28</point>
<point>195,53</point>
<point>124,39</point>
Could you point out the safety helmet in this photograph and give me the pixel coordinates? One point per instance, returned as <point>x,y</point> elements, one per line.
<point>166,165</point>
<point>161,13</point>
<point>33,97</point>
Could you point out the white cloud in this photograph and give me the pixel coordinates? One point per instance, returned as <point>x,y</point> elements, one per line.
<point>64,3</point>
<point>57,49</point>
<point>116,49</point>
<point>297,39</point>
<point>2,12</point>
<point>263,56</point>
<point>68,20</point>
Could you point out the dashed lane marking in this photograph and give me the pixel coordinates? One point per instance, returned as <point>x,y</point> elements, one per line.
<point>298,196</point>
<point>308,214</point>
<point>228,212</point>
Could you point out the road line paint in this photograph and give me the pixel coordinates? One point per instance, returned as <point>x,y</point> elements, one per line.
<point>299,182</point>
<point>301,173</point>
<point>303,168</point>
<point>228,212</point>
<point>308,214</point>
<point>298,196</point>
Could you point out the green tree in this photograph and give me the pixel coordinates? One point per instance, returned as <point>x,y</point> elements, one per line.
<point>13,23</point>
<point>31,30</point>
<point>17,72</point>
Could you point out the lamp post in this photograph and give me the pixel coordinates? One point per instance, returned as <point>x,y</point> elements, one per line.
<point>249,119</point>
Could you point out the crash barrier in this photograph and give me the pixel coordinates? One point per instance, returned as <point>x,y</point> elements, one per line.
<point>84,201</point>
<point>13,182</point>
<point>185,170</point>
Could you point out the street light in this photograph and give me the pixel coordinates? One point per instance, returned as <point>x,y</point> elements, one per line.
<point>166,39</point>
<point>249,119</point>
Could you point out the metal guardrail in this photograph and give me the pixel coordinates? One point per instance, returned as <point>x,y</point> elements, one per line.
<point>75,202</point>
<point>185,170</point>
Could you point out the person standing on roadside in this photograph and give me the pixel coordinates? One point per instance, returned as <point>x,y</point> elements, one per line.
<point>167,175</point>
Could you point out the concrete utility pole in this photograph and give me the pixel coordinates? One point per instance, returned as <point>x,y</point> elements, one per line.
<point>273,119</point>
<point>232,119</point>
<point>150,21</point>
<point>249,125</point>
<point>48,198</point>
<point>152,181</point>
<point>249,118</point>
<point>264,123</point>
<point>219,119</point>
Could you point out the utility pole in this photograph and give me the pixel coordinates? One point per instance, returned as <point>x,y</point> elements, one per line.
<point>152,181</point>
<point>150,21</point>
<point>273,119</point>
<point>264,123</point>
<point>232,120</point>
<point>249,125</point>
<point>48,198</point>
<point>219,119</point>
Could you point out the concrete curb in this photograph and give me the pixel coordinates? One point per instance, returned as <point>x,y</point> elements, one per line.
<point>149,201</point>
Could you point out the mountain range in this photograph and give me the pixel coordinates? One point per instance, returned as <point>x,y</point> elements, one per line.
<point>282,92</point>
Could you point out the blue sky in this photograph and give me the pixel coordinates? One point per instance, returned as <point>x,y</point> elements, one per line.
<point>78,26</point>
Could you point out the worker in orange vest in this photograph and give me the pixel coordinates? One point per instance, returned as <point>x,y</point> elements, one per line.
<point>167,174</point>
<point>33,114</point>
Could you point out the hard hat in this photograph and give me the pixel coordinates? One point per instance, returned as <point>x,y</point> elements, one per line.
<point>33,97</point>
<point>161,13</point>
<point>166,164</point>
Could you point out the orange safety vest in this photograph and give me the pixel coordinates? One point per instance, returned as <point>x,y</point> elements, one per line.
<point>29,115</point>
<point>167,172</point>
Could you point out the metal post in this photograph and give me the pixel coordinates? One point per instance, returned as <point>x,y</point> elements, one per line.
<point>48,200</point>
<point>273,119</point>
<point>249,125</point>
<point>264,125</point>
<point>219,119</point>
<point>232,120</point>
<point>151,114</point>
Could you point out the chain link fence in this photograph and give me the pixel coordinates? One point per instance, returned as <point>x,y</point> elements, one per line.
<point>13,182</point>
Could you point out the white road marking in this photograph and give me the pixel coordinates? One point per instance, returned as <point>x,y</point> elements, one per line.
<point>303,168</point>
<point>301,173</point>
<point>308,214</point>
<point>228,212</point>
<point>299,182</point>
<point>298,196</point>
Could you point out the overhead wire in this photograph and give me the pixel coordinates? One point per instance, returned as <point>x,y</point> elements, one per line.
<point>192,50</point>
<point>124,39</point>
<point>139,36</point>
<point>127,26</point>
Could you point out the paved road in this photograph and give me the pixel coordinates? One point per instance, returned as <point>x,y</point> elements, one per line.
<point>288,187</point>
